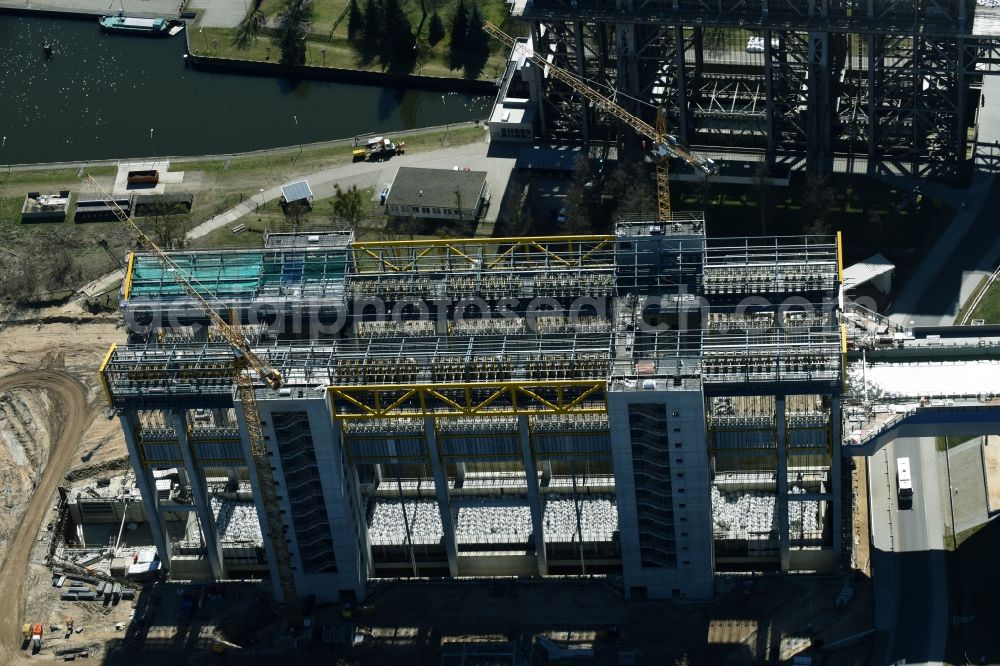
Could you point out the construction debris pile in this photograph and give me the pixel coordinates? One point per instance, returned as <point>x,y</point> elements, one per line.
<point>753,512</point>
<point>387,526</point>
<point>236,521</point>
<point>598,519</point>
<point>75,587</point>
<point>485,521</point>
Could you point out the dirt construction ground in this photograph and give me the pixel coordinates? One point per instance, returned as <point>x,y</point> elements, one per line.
<point>52,421</point>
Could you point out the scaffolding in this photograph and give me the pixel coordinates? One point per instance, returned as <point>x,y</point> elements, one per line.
<point>461,361</point>
<point>473,406</point>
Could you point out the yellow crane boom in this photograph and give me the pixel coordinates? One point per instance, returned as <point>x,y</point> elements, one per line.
<point>664,144</point>
<point>245,361</point>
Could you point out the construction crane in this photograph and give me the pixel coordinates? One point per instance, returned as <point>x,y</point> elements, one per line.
<point>245,362</point>
<point>665,145</point>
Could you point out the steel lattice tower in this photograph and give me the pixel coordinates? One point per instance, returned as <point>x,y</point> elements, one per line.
<point>870,86</point>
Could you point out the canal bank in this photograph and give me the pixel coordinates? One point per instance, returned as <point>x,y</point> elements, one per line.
<point>115,97</point>
<point>281,152</point>
<point>338,75</point>
<point>87,12</point>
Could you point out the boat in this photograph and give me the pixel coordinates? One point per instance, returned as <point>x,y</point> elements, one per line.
<point>131,25</point>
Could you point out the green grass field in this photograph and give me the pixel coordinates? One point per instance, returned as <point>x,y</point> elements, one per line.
<point>988,308</point>
<point>326,35</point>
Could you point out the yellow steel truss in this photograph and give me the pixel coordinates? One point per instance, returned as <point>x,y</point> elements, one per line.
<point>469,399</point>
<point>128,275</point>
<point>486,253</point>
<point>102,373</point>
<point>840,259</point>
<point>663,172</point>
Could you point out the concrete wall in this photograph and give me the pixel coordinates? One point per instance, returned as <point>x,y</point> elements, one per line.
<point>444,213</point>
<point>190,567</point>
<point>692,576</point>
<point>351,571</point>
<point>812,560</point>
<point>110,511</point>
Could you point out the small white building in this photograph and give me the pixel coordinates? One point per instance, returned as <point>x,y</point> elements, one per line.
<point>297,191</point>
<point>876,270</point>
<point>514,114</point>
<point>437,194</point>
<point>513,120</point>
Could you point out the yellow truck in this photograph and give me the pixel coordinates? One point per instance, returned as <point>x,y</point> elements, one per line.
<point>31,634</point>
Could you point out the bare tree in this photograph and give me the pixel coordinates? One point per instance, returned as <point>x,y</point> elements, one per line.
<point>516,218</point>
<point>64,272</point>
<point>297,215</point>
<point>762,181</point>
<point>632,186</point>
<point>348,206</point>
<point>397,227</point>
<point>18,280</point>
<point>876,225</point>
<point>713,38</point>
<point>818,198</point>
<point>169,230</point>
<point>581,201</point>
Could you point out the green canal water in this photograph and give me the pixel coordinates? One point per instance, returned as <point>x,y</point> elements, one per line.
<point>99,96</point>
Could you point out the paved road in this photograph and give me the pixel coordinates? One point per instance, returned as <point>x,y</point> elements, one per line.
<point>965,253</point>
<point>220,13</point>
<point>67,422</point>
<point>379,175</point>
<point>910,575</point>
<point>970,248</point>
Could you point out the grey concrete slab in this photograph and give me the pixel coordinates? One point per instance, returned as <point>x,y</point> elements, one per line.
<point>989,114</point>
<point>921,628</point>
<point>167,177</point>
<point>962,256</point>
<point>968,485</point>
<point>881,500</point>
<point>220,13</point>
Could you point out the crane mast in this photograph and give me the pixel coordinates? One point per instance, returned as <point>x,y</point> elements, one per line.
<point>665,145</point>
<point>245,361</point>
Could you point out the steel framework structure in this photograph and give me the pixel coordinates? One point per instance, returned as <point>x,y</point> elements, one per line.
<point>864,86</point>
<point>498,383</point>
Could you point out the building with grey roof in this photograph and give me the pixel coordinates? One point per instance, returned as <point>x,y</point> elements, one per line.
<point>438,194</point>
